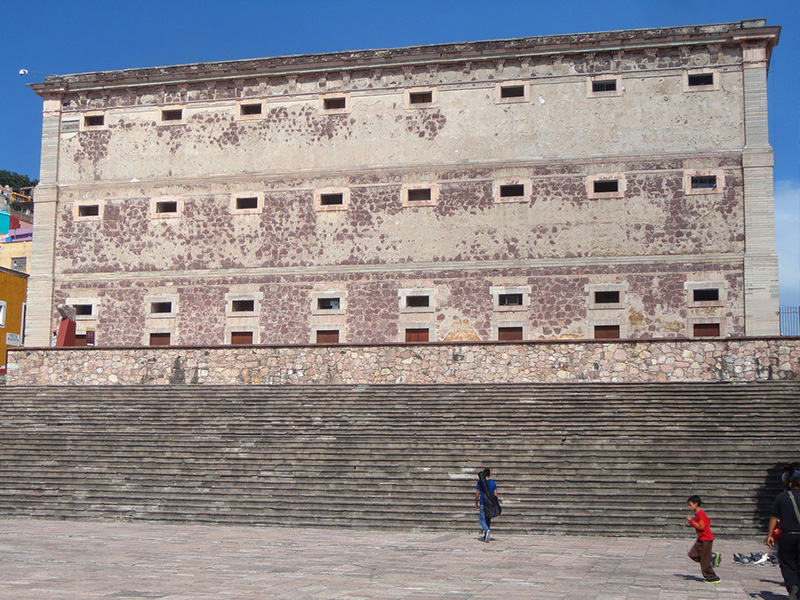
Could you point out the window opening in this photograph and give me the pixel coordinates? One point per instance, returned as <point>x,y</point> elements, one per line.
<point>606,332</point>
<point>509,334</point>
<point>89,210</point>
<point>169,206</point>
<point>94,120</point>
<point>512,91</point>
<point>606,185</point>
<point>509,300</point>
<point>243,306</point>
<point>418,301</point>
<point>19,263</point>
<point>604,85</point>
<point>706,295</point>
<point>328,336</point>
<point>159,339</point>
<point>328,303</point>
<point>241,338</point>
<point>160,307</point>
<point>701,182</point>
<point>331,199</point>
<point>245,203</point>
<point>417,335</point>
<point>699,79</point>
<point>334,103</point>
<point>606,297</point>
<point>514,190</point>
<point>419,97</point>
<point>84,310</point>
<point>175,114</point>
<point>420,195</point>
<point>250,109</point>
<point>706,329</point>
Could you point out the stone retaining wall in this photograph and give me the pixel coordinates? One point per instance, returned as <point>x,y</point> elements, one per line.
<point>741,359</point>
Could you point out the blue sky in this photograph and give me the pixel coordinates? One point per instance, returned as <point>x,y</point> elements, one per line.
<point>59,37</point>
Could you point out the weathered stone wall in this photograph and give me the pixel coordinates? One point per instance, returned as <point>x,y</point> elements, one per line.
<point>656,304</point>
<point>629,361</point>
<point>655,238</point>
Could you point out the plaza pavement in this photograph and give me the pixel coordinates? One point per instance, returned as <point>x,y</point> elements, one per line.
<point>64,560</point>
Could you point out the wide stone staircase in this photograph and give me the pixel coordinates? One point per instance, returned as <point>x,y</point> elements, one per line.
<point>612,459</point>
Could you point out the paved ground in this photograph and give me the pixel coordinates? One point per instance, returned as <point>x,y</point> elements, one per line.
<point>75,561</point>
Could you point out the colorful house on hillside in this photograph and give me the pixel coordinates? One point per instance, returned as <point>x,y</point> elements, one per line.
<point>16,230</point>
<point>13,292</point>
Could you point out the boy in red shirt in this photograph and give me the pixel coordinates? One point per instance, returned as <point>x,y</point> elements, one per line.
<point>701,551</point>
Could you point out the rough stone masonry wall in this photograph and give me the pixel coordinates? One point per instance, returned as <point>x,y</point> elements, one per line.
<point>745,359</point>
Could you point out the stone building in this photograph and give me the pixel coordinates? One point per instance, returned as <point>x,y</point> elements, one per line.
<point>604,185</point>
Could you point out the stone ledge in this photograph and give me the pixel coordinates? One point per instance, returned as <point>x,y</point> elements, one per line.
<point>628,361</point>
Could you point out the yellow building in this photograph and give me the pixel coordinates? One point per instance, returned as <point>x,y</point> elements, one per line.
<point>16,256</point>
<point>13,292</point>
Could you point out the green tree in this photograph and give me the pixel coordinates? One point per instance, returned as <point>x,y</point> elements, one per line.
<point>16,181</point>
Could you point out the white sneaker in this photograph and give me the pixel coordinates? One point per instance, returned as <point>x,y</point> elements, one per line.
<point>486,535</point>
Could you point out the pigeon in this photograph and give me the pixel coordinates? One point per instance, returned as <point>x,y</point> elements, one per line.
<point>761,559</point>
<point>741,558</point>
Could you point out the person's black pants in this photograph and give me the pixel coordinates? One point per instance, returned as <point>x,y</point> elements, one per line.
<point>789,558</point>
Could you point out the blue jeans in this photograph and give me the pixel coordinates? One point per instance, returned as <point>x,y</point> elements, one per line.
<point>486,522</point>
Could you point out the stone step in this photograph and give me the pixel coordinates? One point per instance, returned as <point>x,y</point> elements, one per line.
<point>570,458</point>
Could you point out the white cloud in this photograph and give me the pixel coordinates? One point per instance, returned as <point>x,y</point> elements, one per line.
<point>787,239</point>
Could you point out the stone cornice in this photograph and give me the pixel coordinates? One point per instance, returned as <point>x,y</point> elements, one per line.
<point>749,32</point>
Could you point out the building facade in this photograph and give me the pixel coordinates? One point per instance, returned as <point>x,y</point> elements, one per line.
<point>13,290</point>
<point>607,185</point>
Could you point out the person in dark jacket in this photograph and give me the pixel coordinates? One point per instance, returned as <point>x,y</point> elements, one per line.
<point>786,511</point>
<point>486,505</point>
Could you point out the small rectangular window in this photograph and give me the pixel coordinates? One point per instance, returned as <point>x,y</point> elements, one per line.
<point>241,338</point>
<point>514,190</point>
<point>167,206</point>
<point>606,297</point>
<point>94,120</point>
<point>328,336</point>
<point>602,186</point>
<point>512,91</point>
<point>334,103</point>
<point>418,301</point>
<point>83,310</point>
<point>706,295</point>
<point>417,335</point>
<point>248,202</point>
<point>3,311</point>
<point>604,85</point>
<point>331,199</point>
<point>174,114</point>
<point>420,97</point>
<point>606,332</point>
<point>19,263</point>
<point>157,308</point>
<point>419,195</point>
<point>701,79</point>
<point>509,334</point>
<point>704,182</point>
<point>243,306</point>
<point>250,109</point>
<point>509,300</point>
<point>328,303</point>
<point>159,339</point>
<point>89,210</point>
<point>706,329</point>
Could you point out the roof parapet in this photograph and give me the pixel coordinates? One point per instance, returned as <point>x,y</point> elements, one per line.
<point>752,30</point>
